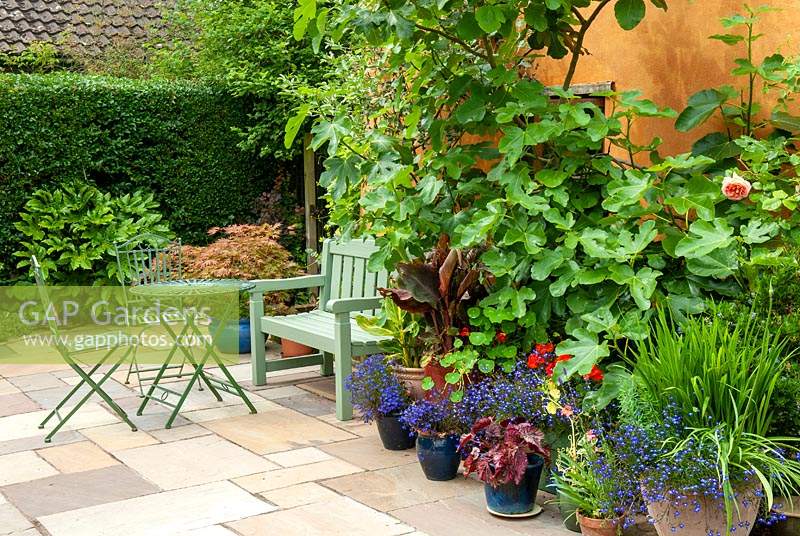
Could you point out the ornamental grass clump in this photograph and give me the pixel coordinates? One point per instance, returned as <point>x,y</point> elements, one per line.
<point>697,416</point>
<point>376,390</point>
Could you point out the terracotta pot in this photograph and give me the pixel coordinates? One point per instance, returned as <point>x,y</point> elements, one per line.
<point>412,378</point>
<point>437,373</point>
<point>598,527</point>
<point>294,349</point>
<point>710,517</point>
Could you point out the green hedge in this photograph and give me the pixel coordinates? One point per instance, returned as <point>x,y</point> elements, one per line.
<point>175,139</point>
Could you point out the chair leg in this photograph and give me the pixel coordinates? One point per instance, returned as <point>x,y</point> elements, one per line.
<point>343,366</point>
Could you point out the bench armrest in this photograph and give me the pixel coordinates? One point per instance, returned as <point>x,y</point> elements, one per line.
<point>291,283</point>
<point>349,305</point>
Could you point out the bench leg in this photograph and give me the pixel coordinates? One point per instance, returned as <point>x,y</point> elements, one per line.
<point>258,352</point>
<point>343,365</point>
<point>326,369</point>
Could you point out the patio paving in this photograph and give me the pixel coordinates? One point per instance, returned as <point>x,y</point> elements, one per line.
<point>291,469</point>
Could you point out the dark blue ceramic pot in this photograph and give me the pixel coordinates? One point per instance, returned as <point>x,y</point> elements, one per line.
<point>512,499</point>
<point>394,435</point>
<point>438,456</point>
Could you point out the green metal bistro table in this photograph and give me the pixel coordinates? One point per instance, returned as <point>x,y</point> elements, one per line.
<point>193,290</point>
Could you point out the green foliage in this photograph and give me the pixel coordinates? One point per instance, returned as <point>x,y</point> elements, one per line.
<point>785,403</point>
<point>38,57</point>
<point>722,378</point>
<point>405,347</point>
<point>72,231</point>
<point>174,139</point>
<point>575,238</point>
<point>248,47</point>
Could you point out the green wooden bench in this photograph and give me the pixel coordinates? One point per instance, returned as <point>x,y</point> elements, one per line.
<point>346,286</point>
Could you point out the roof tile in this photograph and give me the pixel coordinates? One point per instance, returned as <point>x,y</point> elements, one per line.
<point>94,23</point>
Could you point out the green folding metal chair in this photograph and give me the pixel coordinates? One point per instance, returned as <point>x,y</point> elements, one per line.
<point>144,260</point>
<point>114,357</point>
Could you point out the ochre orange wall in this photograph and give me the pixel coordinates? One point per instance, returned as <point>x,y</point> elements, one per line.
<point>669,56</point>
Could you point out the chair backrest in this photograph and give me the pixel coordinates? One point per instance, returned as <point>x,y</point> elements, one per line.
<point>148,258</point>
<point>344,265</point>
<point>47,304</point>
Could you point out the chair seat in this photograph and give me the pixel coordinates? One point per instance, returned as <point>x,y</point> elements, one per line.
<point>316,329</point>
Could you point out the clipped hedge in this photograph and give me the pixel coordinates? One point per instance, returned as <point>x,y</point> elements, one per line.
<point>176,139</point>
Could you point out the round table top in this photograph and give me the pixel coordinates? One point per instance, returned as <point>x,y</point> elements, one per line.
<point>191,287</point>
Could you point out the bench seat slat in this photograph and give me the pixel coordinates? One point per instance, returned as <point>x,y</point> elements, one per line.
<point>315,329</point>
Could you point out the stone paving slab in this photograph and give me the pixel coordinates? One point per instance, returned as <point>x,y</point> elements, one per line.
<point>308,404</point>
<point>12,521</point>
<point>26,425</point>
<point>303,456</point>
<point>71,491</point>
<point>118,436</point>
<point>77,457</point>
<point>470,515</point>
<point>23,466</point>
<point>368,452</point>
<point>37,442</point>
<point>13,404</point>
<point>281,478</point>
<point>199,460</point>
<point>36,382</point>
<point>275,431</point>
<point>340,516</point>
<point>166,513</point>
<point>300,495</point>
<point>400,487</point>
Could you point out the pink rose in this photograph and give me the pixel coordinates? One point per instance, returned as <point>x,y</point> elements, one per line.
<point>736,187</point>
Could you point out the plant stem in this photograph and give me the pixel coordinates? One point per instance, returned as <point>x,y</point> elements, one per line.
<point>752,77</point>
<point>578,47</point>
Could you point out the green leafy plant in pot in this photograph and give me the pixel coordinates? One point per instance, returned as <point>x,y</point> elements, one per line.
<point>697,414</point>
<point>508,457</point>
<point>405,346</point>
<point>441,287</point>
<point>594,488</point>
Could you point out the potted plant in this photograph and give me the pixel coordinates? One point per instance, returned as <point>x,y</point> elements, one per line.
<point>405,346</point>
<point>594,490</point>
<point>242,252</point>
<point>440,287</point>
<point>696,423</point>
<point>379,395</point>
<point>438,431</point>
<point>507,456</point>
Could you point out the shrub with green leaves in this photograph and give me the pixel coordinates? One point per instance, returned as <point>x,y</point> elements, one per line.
<point>584,229</point>
<point>72,231</point>
<point>172,138</point>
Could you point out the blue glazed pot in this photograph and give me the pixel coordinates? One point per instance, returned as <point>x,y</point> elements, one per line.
<point>438,456</point>
<point>233,338</point>
<point>512,499</point>
<point>394,435</point>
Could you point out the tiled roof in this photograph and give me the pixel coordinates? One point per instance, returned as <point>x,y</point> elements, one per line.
<point>89,23</point>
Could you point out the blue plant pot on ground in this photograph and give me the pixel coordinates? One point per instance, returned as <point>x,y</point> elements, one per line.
<point>438,456</point>
<point>233,338</point>
<point>517,500</point>
<point>394,435</point>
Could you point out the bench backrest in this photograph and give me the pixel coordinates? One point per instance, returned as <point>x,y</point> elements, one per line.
<point>344,265</point>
